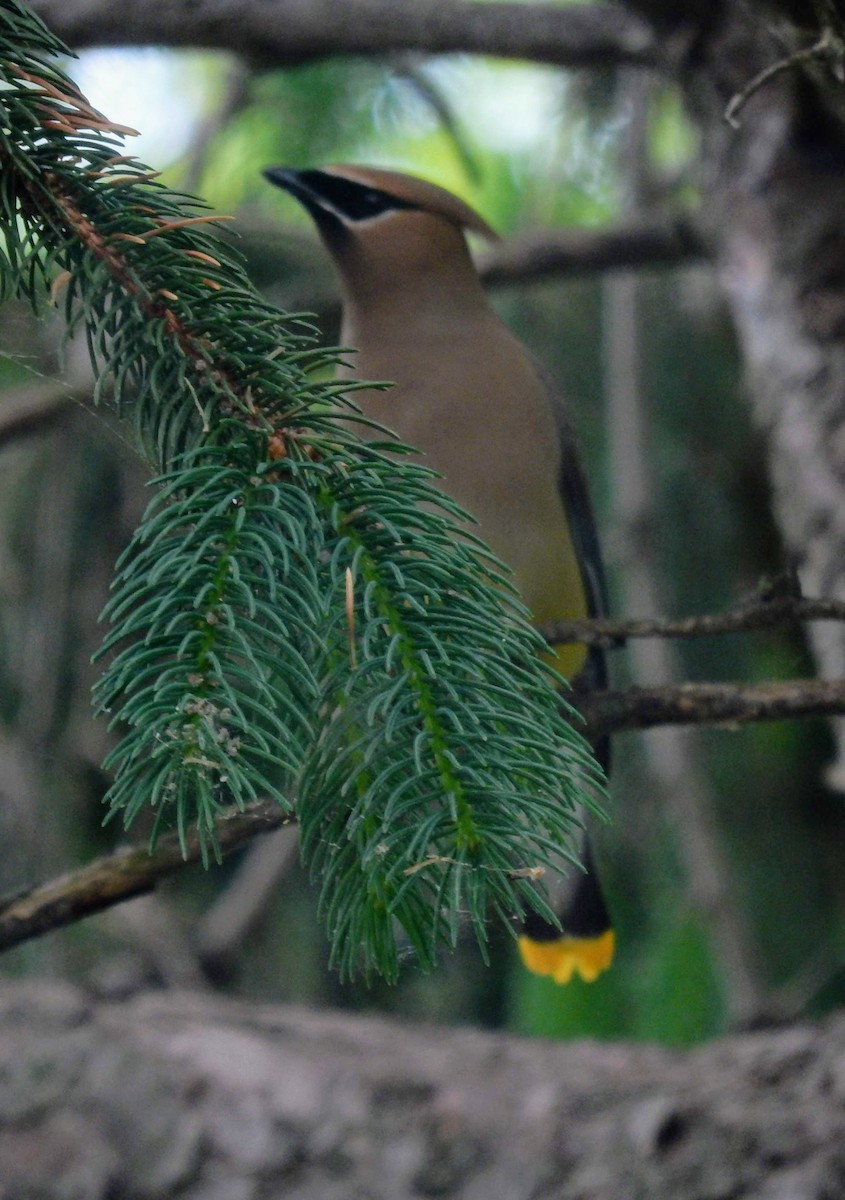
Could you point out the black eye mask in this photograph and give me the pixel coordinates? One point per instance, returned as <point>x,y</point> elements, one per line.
<point>355,201</point>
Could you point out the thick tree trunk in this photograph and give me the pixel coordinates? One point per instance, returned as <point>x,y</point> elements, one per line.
<point>205,1099</point>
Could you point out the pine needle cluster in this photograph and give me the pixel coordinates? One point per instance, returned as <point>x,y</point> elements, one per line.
<point>300,614</point>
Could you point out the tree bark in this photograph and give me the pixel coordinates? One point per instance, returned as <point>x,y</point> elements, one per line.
<point>180,1094</point>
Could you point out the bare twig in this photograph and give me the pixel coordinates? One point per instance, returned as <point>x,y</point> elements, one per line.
<point>745,618</point>
<point>710,704</point>
<point>127,872</point>
<point>527,258</point>
<point>829,45</point>
<point>411,68</point>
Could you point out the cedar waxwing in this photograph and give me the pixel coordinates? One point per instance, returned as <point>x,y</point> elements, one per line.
<point>469,397</point>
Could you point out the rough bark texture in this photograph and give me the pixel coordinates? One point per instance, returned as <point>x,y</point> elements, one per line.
<point>181,1095</point>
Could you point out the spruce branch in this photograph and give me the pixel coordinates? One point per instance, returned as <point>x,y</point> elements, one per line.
<point>301,614</point>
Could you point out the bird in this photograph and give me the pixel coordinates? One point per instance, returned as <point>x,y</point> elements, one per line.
<point>468,395</point>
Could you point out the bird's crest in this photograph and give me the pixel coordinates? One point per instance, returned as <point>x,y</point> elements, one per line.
<point>417,193</point>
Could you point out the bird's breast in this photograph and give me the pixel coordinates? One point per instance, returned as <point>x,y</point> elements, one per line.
<point>469,398</point>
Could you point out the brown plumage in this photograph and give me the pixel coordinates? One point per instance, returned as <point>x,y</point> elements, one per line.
<point>470,397</point>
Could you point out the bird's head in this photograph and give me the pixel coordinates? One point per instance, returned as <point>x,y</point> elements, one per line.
<point>377,222</point>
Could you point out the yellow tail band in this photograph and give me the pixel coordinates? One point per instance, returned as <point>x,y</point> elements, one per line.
<point>566,956</point>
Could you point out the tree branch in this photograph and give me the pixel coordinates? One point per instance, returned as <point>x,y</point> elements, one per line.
<point>131,871</point>
<point>828,46</point>
<point>127,872</point>
<point>709,704</point>
<point>746,618</point>
<point>540,253</point>
<point>289,32</point>
<point>171,1093</point>
<point>526,258</point>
